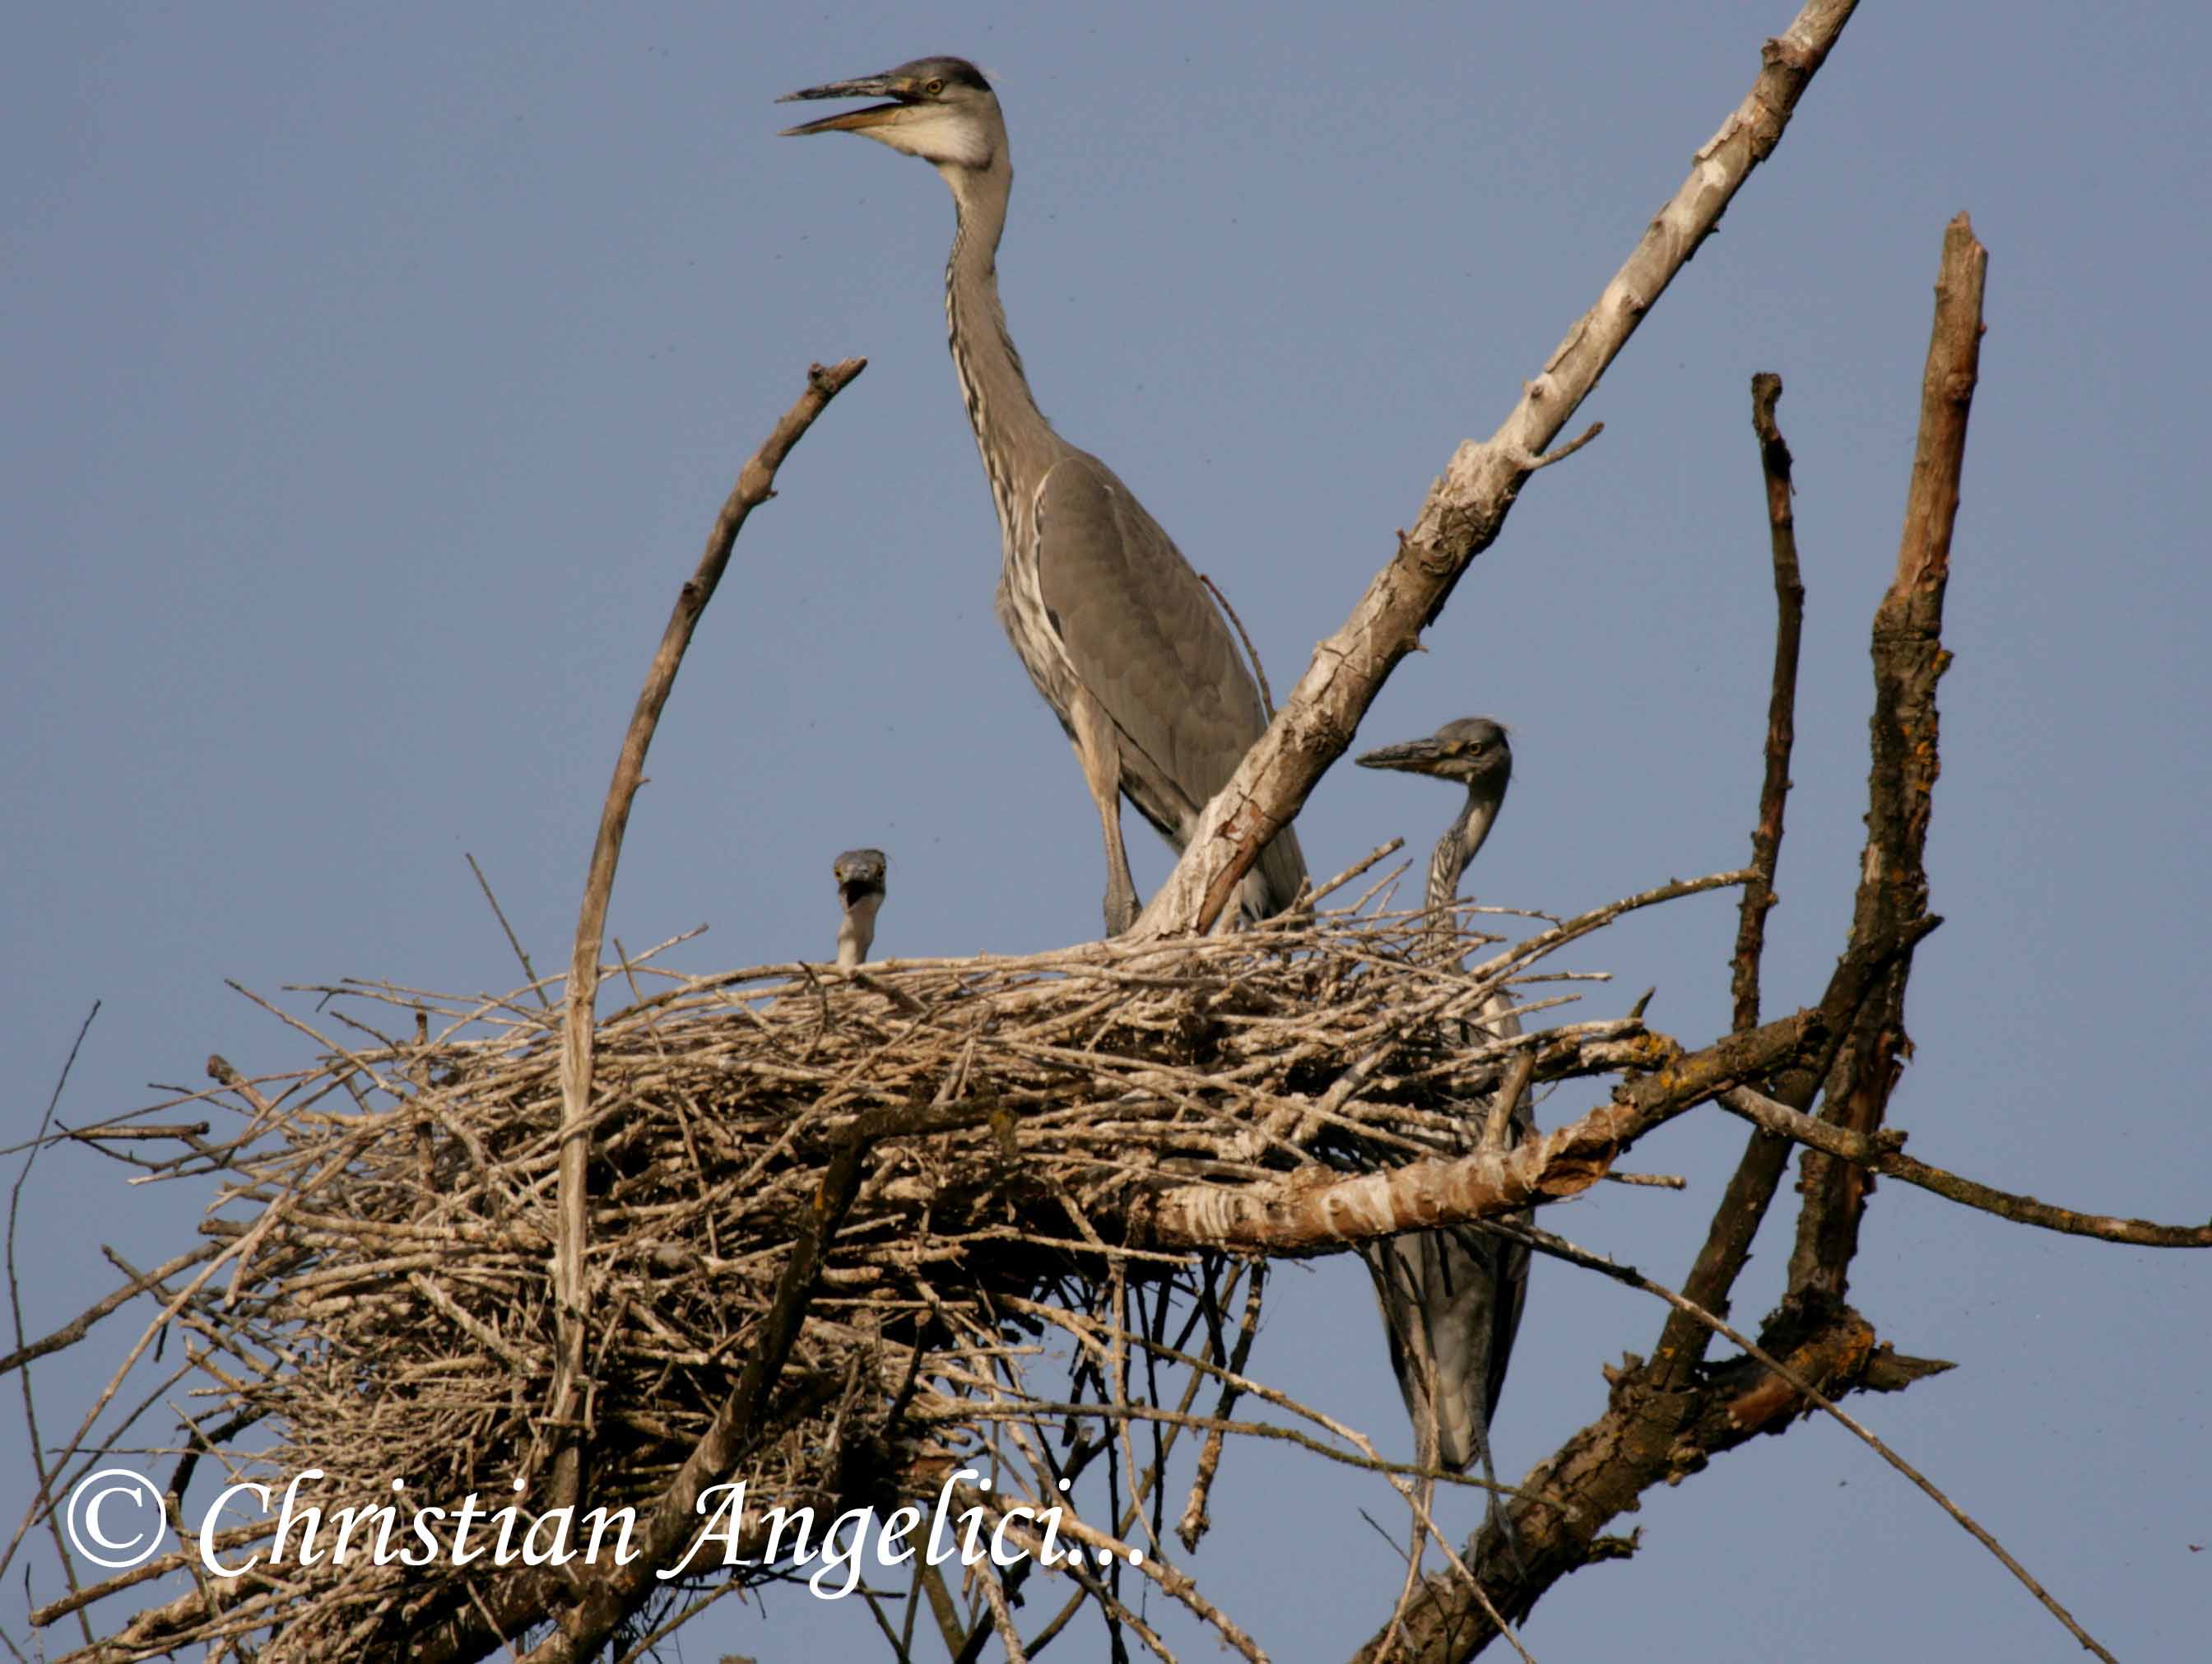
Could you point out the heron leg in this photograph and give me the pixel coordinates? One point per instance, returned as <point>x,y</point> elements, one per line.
<point>1121,889</point>
<point>1099,751</point>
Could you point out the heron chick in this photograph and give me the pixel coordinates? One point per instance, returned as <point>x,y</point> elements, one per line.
<point>1116,631</point>
<point>860,889</point>
<point>1451,1299</point>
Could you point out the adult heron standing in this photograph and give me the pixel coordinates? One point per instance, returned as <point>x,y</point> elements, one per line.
<point>1451,1299</point>
<point>1115,629</point>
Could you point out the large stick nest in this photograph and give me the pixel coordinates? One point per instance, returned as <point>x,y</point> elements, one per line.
<point>385,1306</point>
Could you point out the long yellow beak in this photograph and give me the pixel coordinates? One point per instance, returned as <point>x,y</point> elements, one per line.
<point>852,121</point>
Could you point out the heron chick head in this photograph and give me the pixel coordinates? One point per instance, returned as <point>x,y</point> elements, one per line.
<point>942,110</point>
<point>1473,750</point>
<point>859,874</point>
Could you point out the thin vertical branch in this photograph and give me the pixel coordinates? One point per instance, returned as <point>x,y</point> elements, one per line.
<point>1781,703</point>
<point>1909,661</point>
<point>39,1465</point>
<point>512,940</point>
<point>755,486</point>
<point>1196,1520</point>
<point>1683,1344</point>
<point>1251,653</point>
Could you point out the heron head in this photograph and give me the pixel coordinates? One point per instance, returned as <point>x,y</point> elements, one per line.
<point>941,110</point>
<point>859,874</point>
<point>1473,750</point>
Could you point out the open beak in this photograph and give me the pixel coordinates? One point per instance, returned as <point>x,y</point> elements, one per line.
<point>852,121</point>
<point>1415,756</point>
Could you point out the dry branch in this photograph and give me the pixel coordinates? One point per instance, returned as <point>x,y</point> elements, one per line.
<point>1750,1189</point>
<point>1908,659</point>
<point>1668,1418</point>
<point>1468,506</point>
<point>1880,1155</point>
<point>1293,1217</point>
<point>1782,699</point>
<point>1799,1390</point>
<point>756,485</point>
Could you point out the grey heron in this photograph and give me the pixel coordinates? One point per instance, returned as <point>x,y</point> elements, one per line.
<point>1451,1299</point>
<point>859,875</point>
<point>1115,629</point>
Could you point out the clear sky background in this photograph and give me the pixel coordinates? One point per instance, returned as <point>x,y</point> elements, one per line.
<point>372,378</point>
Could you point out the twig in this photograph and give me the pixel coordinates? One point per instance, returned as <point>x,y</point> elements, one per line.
<point>1508,1094</point>
<point>1266,693</point>
<point>1560,1247</point>
<point>1750,1189</point>
<point>76,1329</point>
<point>1560,453</point>
<point>1879,1155</point>
<point>1196,1520</point>
<point>1380,852</point>
<point>512,940</point>
<point>1782,699</point>
<point>15,1309</point>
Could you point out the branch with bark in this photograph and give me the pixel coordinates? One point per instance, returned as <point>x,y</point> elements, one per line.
<point>1467,506</point>
<point>1669,1417</point>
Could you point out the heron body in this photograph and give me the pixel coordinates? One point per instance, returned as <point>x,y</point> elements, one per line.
<point>1116,631</point>
<point>1451,1299</point>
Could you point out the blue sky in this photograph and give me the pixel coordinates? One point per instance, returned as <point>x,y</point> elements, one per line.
<point>372,379</point>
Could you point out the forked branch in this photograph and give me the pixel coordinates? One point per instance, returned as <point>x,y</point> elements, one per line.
<point>1909,661</point>
<point>1467,506</point>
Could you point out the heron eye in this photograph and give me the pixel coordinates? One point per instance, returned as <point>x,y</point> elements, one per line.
<point>932,88</point>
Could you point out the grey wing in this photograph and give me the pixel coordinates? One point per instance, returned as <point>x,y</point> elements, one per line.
<point>1451,1302</point>
<point>1145,638</point>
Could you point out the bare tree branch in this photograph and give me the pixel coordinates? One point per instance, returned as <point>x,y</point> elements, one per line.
<point>513,941</point>
<point>1308,1212</point>
<point>74,1331</point>
<point>1908,659</point>
<point>1881,1153</point>
<point>1545,1242</point>
<point>23,1352</point>
<point>755,486</point>
<point>1661,1422</point>
<point>1251,653</point>
<point>1468,506</point>
<point>1750,1189</point>
<point>1782,701</point>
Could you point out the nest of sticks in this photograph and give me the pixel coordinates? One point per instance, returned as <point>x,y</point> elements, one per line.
<point>376,1298</point>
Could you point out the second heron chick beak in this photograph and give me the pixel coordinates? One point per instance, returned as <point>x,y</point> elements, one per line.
<point>1413,757</point>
